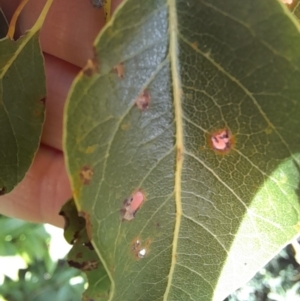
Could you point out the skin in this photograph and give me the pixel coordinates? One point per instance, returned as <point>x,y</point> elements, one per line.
<point>66,46</point>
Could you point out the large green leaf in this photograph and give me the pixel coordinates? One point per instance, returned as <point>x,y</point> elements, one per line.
<point>211,72</point>
<point>22,103</point>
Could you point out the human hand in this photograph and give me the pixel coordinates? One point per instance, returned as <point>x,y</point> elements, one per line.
<point>66,40</point>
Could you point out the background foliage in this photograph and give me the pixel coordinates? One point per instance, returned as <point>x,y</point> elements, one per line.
<point>46,279</point>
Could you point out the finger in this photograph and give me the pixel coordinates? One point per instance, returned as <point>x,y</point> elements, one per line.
<point>39,197</point>
<point>70,30</point>
<point>70,27</point>
<point>59,77</point>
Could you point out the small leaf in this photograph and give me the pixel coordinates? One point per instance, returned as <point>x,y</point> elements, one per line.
<point>216,152</point>
<point>83,256</point>
<point>22,94</point>
<point>73,223</point>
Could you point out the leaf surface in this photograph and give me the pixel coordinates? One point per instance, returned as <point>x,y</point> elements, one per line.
<point>194,104</point>
<point>22,97</point>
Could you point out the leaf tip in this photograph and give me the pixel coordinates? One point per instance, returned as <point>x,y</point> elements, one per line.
<point>120,70</point>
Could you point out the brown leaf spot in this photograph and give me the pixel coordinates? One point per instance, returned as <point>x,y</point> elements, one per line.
<point>79,255</point>
<point>131,205</point>
<point>89,245</point>
<point>86,175</point>
<point>90,265</point>
<point>90,68</point>
<point>85,265</point>
<point>74,264</point>
<point>88,224</point>
<point>120,70</point>
<point>97,3</point>
<point>221,141</point>
<point>76,237</point>
<point>43,100</point>
<point>143,101</point>
<point>140,249</point>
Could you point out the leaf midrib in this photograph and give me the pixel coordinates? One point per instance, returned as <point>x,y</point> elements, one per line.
<point>173,53</point>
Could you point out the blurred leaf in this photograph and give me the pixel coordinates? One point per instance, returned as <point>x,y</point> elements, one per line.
<point>22,97</point>
<point>278,277</point>
<point>36,284</point>
<point>83,256</point>
<point>27,239</point>
<point>3,24</point>
<point>214,147</point>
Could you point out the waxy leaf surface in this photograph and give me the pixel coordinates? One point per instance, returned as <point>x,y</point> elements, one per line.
<point>213,145</point>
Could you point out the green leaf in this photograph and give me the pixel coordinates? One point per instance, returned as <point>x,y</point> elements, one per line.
<point>22,98</point>
<point>3,24</point>
<point>294,8</point>
<point>74,224</point>
<point>83,256</point>
<point>195,105</point>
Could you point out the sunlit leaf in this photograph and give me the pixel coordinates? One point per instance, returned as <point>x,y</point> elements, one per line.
<point>22,98</point>
<point>203,120</point>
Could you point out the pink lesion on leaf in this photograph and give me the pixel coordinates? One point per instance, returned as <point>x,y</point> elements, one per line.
<point>221,141</point>
<point>131,205</point>
<point>143,100</point>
